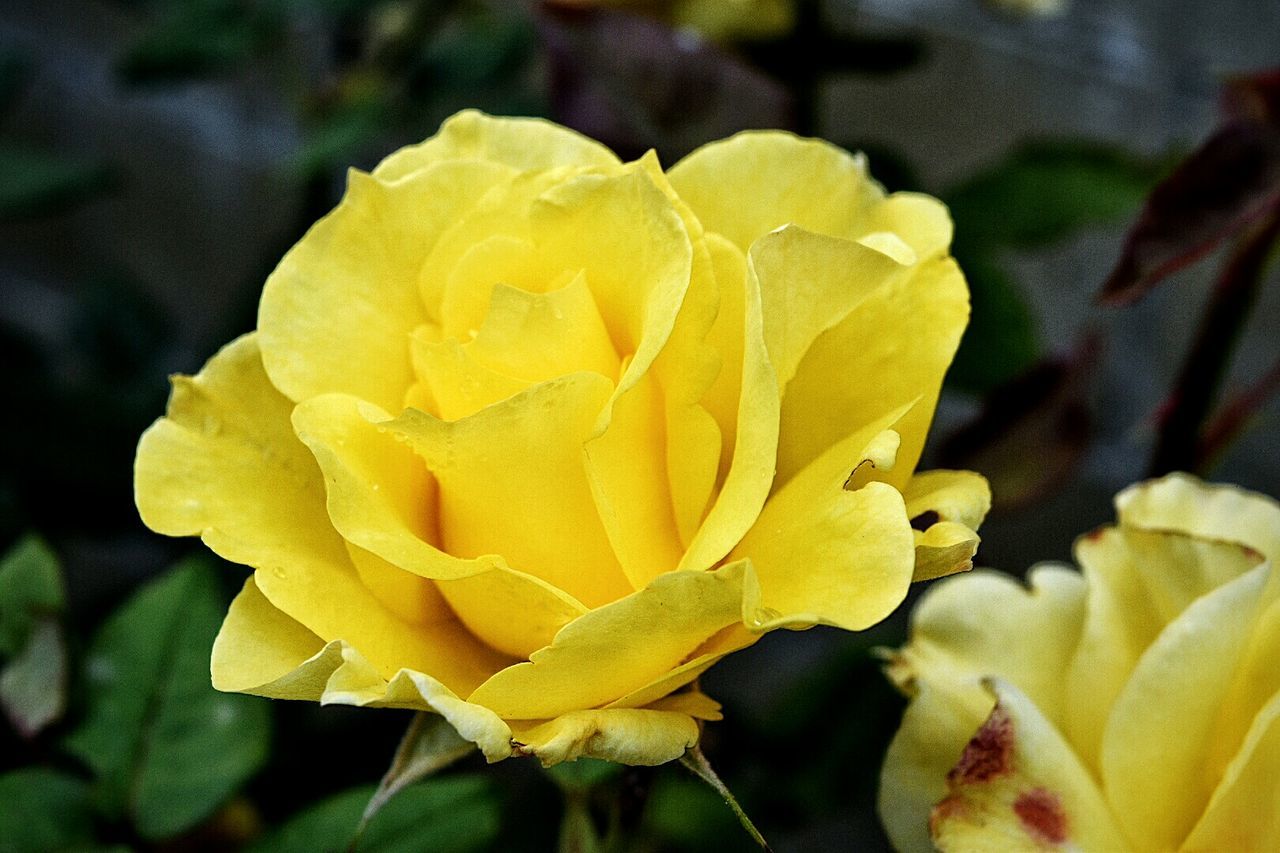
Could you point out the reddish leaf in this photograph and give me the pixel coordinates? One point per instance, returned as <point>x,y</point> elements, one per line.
<point>1234,416</point>
<point>635,84</point>
<point>1182,418</point>
<point>1222,188</point>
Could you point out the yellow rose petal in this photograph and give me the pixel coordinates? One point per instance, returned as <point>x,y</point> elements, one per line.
<point>1157,737</point>
<point>1257,681</point>
<point>631,487</point>
<point>1242,814</point>
<point>626,735</point>
<point>921,221</point>
<point>346,293</point>
<point>618,648</point>
<point>382,498</point>
<point>962,497</point>
<point>258,645</point>
<point>459,385</point>
<point>944,549</point>
<point>725,337</point>
<point>412,598</point>
<point>524,456</point>
<point>260,649</point>
<point>520,143</point>
<point>778,179</point>
<point>223,464</point>
<point>856,547</point>
<point>1019,786</point>
<point>726,641</point>
<point>538,336</point>
<point>809,283</point>
<point>353,682</point>
<point>1179,502</point>
<point>935,728</point>
<point>893,347</point>
<point>338,674</point>
<point>985,623</point>
<point>746,483</point>
<point>687,369</point>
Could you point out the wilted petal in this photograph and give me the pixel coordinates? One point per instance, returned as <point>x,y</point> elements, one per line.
<point>1018,786</point>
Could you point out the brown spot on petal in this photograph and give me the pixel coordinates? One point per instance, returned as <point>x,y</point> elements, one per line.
<point>1041,814</point>
<point>952,807</point>
<point>988,753</point>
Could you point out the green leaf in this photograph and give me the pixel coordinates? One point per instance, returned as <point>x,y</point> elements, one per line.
<point>33,684</point>
<point>167,747</point>
<point>583,774</point>
<point>688,815</point>
<point>326,827</point>
<point>31,590</point>
<point>341,136</point>
<point>1039,193</point>
<point>482,47</point>
<point>1001,341</point>
<point>197,38</point>
<point>578,833</point>
<point>1043,191</point>
<point>455,815</point>
<point>43,809</point>
<point>429,745</point>
<point>35,182</point>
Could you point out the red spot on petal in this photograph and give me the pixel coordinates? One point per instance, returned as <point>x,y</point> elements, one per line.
<point>1041,814</point>
<point>988,753</point>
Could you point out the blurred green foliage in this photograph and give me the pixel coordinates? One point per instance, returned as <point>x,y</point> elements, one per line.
<point>44,809</point>
<point>1038,194</point>
<point>458,814</point>
<point>32,600</point>
<point>167,749</point>
<point>35,182</point>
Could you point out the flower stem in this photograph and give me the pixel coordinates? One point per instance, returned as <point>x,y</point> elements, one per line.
<point>700,767</point>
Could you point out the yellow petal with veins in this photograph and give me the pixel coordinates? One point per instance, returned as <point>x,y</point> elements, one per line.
<point>778,179</point>
<point>1242,814</point>
<point>856,546</point>
<point>619,647</point>
<point>377,486</point>
<point>346,294</point>
<point>223,464</point>
<point>525,456</point>
<point>892,348</point>
<point>1156,740</point>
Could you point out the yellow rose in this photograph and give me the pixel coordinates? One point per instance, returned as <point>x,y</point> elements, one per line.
<point>504,443</point>
<point>1135,706</point>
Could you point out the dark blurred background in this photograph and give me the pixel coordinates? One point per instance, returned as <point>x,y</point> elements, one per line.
<point>157,157</point>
